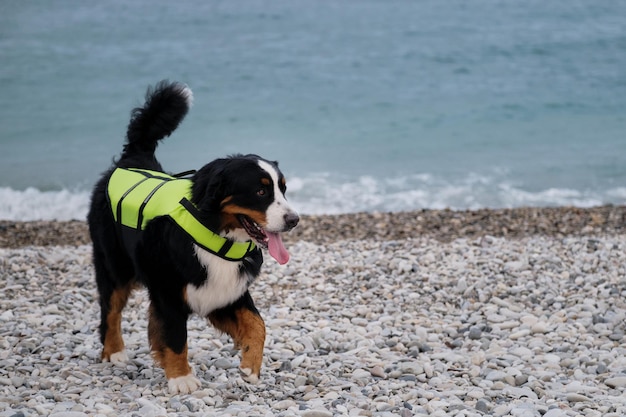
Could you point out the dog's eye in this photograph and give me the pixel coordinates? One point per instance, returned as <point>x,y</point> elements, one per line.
<point>261,192</point>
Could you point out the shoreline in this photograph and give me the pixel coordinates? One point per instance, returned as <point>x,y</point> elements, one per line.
<point>442,225</point>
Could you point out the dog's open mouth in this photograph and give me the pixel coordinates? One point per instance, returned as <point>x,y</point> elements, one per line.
<point>265,239</point>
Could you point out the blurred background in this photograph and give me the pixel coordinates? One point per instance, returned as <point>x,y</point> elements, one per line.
<point>368,105</point>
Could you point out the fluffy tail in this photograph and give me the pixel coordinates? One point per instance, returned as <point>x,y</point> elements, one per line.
<point>166,105</point>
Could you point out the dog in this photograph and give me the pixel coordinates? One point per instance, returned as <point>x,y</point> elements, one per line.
<point>194,241</point>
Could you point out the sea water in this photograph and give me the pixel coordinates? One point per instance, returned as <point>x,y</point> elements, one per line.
<point>368,105</point>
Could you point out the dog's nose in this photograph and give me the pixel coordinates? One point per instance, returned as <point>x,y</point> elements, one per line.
<point>291,220</point>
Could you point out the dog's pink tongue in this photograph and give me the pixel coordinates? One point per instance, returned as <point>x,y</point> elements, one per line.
<point>276,248</point>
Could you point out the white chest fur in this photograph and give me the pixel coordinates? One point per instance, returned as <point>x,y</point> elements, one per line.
<point>223,286</point>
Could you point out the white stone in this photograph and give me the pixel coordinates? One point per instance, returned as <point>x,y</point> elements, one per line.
<point>284,404</point>
<point>361,374</point>
<point>574,397</point>
<point>616,382</point>
<point>555,412</point>
<point>539,327</point>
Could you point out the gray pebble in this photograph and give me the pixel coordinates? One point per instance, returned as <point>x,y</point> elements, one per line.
<point>475,333</point>
<point>405,413</point>
<point>223,363</point>
<point>521,379</point>
<point>601,369</point>
<point>482,406</point>
<point>17,381</point>
<point>299,381</point>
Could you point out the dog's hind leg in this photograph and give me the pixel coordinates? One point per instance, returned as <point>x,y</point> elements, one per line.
<point>167,331</point>
<point>244,324</point>
<point>112,303</point>
<point>113,298</point>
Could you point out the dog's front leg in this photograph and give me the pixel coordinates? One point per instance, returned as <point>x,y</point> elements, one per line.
<point>168,342</point>
<point>243,323</point>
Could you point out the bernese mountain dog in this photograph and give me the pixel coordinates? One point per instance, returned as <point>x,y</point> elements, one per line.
<point>194,241</point>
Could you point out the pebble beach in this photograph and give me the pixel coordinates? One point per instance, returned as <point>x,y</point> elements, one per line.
<point>515,312</point>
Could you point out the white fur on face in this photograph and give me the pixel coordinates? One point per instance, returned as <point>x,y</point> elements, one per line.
<point>276,212</point>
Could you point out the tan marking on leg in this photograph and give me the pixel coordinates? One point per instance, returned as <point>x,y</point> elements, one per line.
<point>248,333</point>
<point>113,341</point>
<point>155,335</point>
<point>174,364</point>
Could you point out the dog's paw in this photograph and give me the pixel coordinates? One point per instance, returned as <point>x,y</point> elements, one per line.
<point>117,358</point>
<point>183,384</point>
<point>249,376</point>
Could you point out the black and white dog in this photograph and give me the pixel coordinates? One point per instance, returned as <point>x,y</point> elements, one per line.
<point>199,255</point>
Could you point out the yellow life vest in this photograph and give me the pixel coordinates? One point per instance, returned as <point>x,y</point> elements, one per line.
<point>137,196</point>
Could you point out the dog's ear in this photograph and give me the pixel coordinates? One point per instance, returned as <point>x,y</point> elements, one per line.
<point>209,186</point>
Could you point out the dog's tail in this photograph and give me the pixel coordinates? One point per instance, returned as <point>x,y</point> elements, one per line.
<point>166,105</point>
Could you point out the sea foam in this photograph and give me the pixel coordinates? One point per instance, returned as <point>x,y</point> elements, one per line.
<point>326,194</point>
<point>33,204</point>
<point>322,194</point>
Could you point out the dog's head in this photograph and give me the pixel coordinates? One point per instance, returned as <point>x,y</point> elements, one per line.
<point>243,198</point>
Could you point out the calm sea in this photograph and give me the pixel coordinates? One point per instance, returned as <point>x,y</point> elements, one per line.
<point>368,105</point>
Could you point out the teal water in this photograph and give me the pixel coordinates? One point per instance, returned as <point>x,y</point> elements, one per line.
<point>368,105</point>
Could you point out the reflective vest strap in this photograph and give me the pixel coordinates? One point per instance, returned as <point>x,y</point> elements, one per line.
<point>188,219</point>
<point>151,174</point>
<point>118,209</point>
<point>145,201</point>
<point>225,248</point>
<point>188,205</point>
